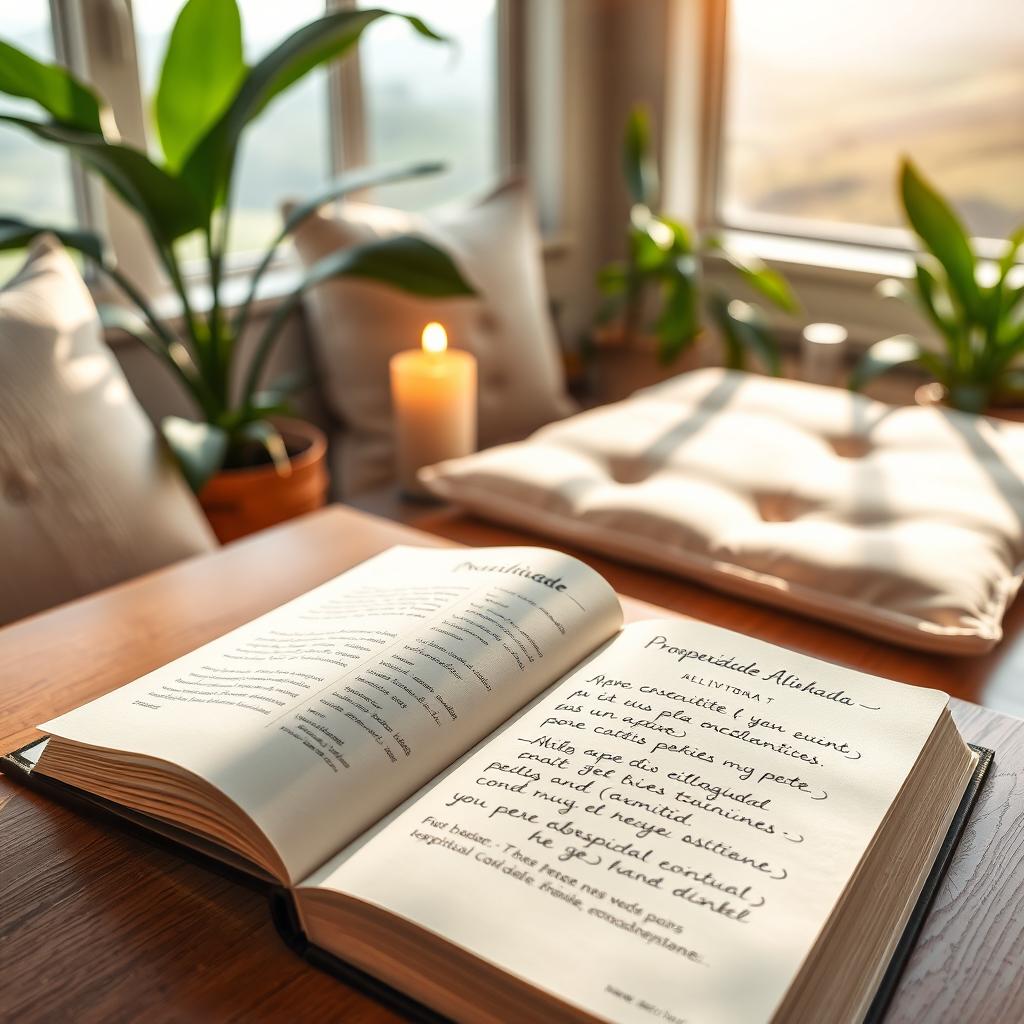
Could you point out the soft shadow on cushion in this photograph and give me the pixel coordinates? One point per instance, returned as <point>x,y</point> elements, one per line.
<point>88,497</point>
<point>358,325</point>
<point>903,523</point>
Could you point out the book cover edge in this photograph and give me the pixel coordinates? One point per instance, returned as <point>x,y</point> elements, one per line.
<point>912,931</point>
<point>285,918</point>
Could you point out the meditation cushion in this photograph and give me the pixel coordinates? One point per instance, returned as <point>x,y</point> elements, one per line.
<point>88,496</point>
<point>902,523</point>
<point>357,325</point>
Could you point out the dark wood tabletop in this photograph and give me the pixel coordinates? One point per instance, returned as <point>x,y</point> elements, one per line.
<point>98,925</point>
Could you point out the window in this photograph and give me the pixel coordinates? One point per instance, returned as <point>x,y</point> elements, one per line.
<point>419,101</point>
<point>425,101</point>
<point>35,179</point>
<point>402,98</point>
<point>286,153</point>
<point>822,99</point>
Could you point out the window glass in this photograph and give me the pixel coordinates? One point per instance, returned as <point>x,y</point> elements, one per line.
<point>823,98</point>
<point>35,179</point>
<point>430,101</point>
<point>286,152</point>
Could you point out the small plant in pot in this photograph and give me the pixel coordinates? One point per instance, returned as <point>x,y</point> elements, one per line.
<point>980,324</point>
<point>664,269</point>
<point>248,467</point>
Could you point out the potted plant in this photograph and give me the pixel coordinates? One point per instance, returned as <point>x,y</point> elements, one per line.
<point>663,270</point>
<point>980,325</point>
<point>247,468</point>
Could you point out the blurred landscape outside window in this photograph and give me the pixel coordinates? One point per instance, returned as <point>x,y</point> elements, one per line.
<point>425,101</point>
<point>822,100</point>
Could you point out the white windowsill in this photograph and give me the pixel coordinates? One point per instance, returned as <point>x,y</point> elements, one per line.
<point>838,261</point>
<point>280,280</point>
<point>836,281</point>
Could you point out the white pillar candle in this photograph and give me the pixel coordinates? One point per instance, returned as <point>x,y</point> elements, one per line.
<point>433,397</point>
<point>822,353</point>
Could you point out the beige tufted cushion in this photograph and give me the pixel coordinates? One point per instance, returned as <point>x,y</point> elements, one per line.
<point>359,325</point>
<point>87,495</point>
<point>903,523</point>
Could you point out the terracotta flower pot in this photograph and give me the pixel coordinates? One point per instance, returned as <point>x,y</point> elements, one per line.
<point>238,502</point>
<point>623,365</point>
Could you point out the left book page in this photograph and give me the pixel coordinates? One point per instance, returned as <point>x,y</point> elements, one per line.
<point>319,717</point>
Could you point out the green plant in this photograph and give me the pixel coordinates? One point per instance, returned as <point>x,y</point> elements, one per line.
<point>666,256</point>
<point>980,326</point>
<point>206,97</point>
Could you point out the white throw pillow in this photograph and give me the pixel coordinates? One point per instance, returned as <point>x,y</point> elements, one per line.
<point>902,523</point>
<point>359,324</point>
<point>88,497</point>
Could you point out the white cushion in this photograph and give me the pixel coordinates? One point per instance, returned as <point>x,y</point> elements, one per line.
<point>359,324</point>
<point>87,495</point>
<point>903,523</point>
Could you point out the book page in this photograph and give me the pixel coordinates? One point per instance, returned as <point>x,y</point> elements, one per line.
<point>663,834</point>
<point>319,717</point>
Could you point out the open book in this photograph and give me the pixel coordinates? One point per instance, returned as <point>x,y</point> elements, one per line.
<point>477,786</point>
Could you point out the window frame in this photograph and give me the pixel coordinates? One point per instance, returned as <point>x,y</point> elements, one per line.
<point>102,49</point>
<point>834,270</point>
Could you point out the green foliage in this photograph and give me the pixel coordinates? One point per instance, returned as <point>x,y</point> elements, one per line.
<point>66,100</point>
<point>16,234</point>
<point>166,205</point>
<point>980,326</point>
<point>665,257</point>
<point>198,79</point>
<point>206,98</point>
<point>200,448</point>
<point>638,163</point>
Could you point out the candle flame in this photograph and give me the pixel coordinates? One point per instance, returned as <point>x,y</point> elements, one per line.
<point>435,338</point>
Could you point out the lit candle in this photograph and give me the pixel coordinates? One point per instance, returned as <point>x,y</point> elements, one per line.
<point>822,353</point>
<point>433,395</point>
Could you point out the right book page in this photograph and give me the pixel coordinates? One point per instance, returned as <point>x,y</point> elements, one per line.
<point>664,834</point>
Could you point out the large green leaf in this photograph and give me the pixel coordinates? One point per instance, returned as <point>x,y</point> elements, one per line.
<point>943,234</point>
<point>938,307</point>
<point>353,181</point>
<point>54,88</point>
<point>638,162</point>
<point>683,241</point>
<point>16,234</point>
<point>743,333</point>
<point>166,205</point>
<point>1009,257</point>
<point>998,300</point>
<point>199,448</point>
<point>679,323</point>
<point>208,168</point>
<point>407,262</point>
<point>770,283</point>
<point>1012,298</point>
<point>269,438</point>
<point>649,251</point>
<point>202,70</point>
<point>170,352</point>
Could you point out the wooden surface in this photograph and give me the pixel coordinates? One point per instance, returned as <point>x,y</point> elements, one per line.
<point>96,925</point>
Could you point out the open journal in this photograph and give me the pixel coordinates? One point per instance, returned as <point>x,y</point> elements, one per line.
<point>475,785</point>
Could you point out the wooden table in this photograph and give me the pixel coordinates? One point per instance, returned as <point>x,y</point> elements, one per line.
<point>96,925</point>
